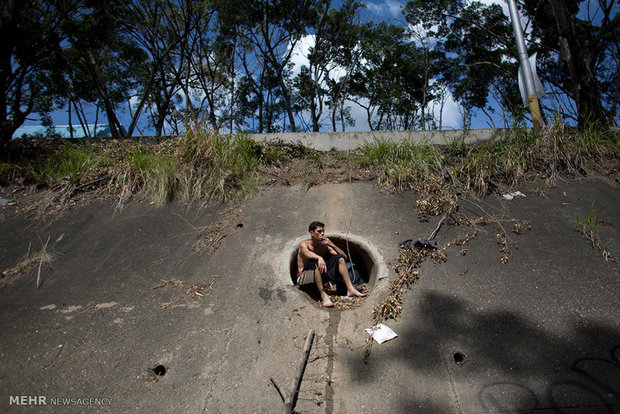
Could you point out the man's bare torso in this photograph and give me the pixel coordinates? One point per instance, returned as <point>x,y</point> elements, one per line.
<point>321,250</point>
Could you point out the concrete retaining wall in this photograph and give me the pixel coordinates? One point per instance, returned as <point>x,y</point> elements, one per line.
<point>326,141</point>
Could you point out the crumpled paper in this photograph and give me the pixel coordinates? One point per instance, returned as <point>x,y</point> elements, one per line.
<point>510,196</point>
<point>381,333</point>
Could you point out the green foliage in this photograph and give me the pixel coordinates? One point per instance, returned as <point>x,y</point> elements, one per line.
<point>276,154</point>
<point>392,82</point>
<point>589,226</point>
<point>509,160</point>
<point>401,163</point>
<point>30,56</point>
<point>5,168</point>
<point>316,159</point>
<point>68,165</point>
<point>217,166</point>
<point>479,58</point>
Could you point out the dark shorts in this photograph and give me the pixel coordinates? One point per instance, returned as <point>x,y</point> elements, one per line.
<point>331,261</point>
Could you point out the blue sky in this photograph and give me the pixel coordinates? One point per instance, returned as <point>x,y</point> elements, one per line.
<point>377,10</point>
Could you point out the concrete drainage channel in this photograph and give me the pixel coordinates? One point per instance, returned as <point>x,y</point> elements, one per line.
<point>367,261</point>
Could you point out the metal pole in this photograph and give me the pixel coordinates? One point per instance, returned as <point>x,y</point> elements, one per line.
<point>525,66</point>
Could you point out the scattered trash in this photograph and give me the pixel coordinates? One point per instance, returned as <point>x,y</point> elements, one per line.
<point>510,196</point>
<point>418,244</point>
<point>4,201</point>
<point>170,282</point>
<point>381,333</point>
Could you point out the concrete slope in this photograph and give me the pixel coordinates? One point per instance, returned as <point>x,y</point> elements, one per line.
<point>537,333</point>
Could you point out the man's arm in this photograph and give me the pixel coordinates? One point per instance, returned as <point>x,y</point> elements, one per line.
<point>310,255</point>
<point>334,249</point>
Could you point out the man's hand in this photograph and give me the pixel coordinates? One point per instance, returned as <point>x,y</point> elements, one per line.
<point>335,249</point>
<point>322,265</point>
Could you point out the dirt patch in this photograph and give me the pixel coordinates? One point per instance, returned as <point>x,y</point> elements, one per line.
<point>329,167</point>
<point>190,296</point>
<point>210,237</point>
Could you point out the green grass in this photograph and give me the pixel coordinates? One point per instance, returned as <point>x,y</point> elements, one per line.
<point>214,166</point>
<point>519,156</point>
<point>276,155</point>
<point>316,160</point>
<point>589,226</point>
<point>152,174</point>
<point>69,165</point>
<point>401,164</point>
<point>202,165</point>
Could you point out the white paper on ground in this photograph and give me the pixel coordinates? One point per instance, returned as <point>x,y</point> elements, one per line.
<point>510,196</point>
<point>381,333</point>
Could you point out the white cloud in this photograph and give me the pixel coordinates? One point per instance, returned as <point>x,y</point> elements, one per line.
<point>300,53</point>
<point>451,116</point>
<point>390,8</point>
<point>393,7</point>
<point>374,8</point>
<point>502,4</point>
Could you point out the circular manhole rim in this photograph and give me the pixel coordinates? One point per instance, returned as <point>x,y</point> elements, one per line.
<point>380,270</point>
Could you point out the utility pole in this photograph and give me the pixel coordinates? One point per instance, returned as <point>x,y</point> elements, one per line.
<point>525,66</point>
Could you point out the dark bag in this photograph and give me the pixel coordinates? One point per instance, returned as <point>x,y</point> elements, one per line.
<point>354,274</point>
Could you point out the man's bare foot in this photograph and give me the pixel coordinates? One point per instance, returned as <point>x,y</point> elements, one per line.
<point>327,302</point>
<point>355,292</point>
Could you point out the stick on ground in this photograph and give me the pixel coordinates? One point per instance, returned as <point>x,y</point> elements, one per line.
<point>290,399</point>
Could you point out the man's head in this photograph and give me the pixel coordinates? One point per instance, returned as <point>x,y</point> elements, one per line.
<point>317,230</point>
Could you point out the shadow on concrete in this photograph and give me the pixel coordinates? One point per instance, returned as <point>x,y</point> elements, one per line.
<point>510,364</point>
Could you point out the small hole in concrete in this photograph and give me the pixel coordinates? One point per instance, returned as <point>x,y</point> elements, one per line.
<point>363,263</point>
<point>159,370</point>
<point>459,358</point>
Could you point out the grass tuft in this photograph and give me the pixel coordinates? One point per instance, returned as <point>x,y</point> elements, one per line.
<point>521,155</point>
<point>203,165</point>
<point>589,226</point>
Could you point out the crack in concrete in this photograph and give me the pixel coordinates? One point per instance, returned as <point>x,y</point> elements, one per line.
<point>220,362</point>
<point>331,332</point>
<point>445,361</point>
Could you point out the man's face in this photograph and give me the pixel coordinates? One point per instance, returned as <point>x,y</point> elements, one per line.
<point>318,234</point>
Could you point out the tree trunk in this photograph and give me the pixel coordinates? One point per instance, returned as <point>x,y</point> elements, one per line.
<point>581,66</point>
<point>115,126</point>
<point>315,119</point>
<point>287,100</point>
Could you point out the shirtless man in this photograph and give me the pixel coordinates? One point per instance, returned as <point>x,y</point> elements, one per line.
<point>319,256</point>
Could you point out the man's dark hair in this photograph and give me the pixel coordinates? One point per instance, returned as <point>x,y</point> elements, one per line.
<point>314,225</point>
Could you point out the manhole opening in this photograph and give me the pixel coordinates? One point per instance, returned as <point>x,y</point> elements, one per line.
<point>159,370</point>
<point>362,263</point>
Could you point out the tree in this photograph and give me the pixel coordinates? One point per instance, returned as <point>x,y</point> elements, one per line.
<point>30,54</point>
<point>211,67</point>
<point>334,35</point>
<point>114,60</point>
<point>273,29</point>
<point>585,46</point>
<point>473,47</point>
<point>484,59</point>
<point>389,84</point>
